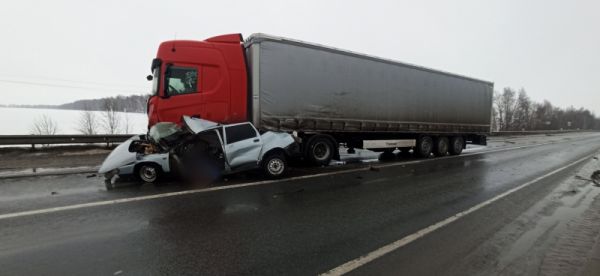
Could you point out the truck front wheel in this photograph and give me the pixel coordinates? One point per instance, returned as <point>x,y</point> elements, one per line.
<point>457,144</point>
<point>319,150</point>
<point>424,147</point>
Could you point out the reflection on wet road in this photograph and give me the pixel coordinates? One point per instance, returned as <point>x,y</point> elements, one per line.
<point>304,225</point>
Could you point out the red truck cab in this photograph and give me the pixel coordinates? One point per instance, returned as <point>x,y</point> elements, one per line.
<point>206,79</point>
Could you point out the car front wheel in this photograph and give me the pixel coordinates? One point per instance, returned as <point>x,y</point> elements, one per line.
<point>148,173</point>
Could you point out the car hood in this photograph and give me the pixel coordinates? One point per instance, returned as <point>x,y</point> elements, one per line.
<point>119,157</point>
<point>197,125</point>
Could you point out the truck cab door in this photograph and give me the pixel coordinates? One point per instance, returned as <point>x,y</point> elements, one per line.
<point>181,93</point>
<point>242,145</point>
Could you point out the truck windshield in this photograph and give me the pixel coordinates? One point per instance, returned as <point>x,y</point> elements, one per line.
<point>181,80</point>
<point>155,78</point>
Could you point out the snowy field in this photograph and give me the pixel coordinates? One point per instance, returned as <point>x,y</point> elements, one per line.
<point>20,120</point>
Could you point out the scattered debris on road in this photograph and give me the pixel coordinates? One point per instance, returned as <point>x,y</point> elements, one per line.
<point>596,177</point>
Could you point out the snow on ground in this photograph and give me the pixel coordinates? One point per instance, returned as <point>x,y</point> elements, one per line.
<point>14,121</point>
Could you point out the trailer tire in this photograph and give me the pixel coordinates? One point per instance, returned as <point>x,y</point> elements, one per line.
<point>457,144</point>
<point>319,150</point>
<point>424,147</point>
<point>274,165</point>
<point>441,146</point>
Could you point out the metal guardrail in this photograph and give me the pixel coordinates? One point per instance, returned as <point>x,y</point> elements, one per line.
<point>118,138</point>
<point>62,139</point>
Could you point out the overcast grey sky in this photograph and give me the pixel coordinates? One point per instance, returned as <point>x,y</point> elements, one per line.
<point>58,51</point>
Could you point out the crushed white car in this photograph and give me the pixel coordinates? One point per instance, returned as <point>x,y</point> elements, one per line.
<point>200,149</point>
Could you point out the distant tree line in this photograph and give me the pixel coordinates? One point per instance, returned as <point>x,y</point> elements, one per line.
<point>514,110</point>
<point>133,103</point>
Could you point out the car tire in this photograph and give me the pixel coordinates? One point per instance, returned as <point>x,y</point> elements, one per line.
<point>274,165</point>
<point>148,173</point>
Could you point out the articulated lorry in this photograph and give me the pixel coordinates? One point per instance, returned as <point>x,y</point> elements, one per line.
<point>324,96</point>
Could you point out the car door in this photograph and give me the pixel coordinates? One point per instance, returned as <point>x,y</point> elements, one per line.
<point>243,145</point>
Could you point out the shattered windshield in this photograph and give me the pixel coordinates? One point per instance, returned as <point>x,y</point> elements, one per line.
<point>162,130</point>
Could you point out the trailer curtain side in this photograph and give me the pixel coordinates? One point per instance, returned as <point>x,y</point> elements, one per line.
<point>308,87</point>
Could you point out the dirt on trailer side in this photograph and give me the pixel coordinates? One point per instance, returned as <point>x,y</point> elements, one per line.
<point>52,157</point>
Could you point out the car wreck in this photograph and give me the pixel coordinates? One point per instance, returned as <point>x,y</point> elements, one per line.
<point>199,150</point>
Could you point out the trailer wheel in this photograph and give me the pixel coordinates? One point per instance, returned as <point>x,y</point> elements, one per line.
<point>319,150</point>
<point>424,147</point>
<point>147,172</point>
<point>274,165</point>
<point>441,146</point>
<point>457,143</point>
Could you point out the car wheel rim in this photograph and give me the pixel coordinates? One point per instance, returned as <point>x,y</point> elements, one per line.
<point>148,174</point>
<point>321,151</point>
<point>275,166</point>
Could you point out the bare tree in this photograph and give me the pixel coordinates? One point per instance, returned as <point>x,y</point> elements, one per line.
<point>522,111</point>
<point>126,123</point>
<point>505,105</point>
<point>494,118</point>
<point>87,123</point>
<point>44,125</point>
<point>111,120</point>
<point>519,112</point>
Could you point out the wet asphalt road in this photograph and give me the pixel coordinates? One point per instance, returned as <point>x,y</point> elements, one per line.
<point>293,227</point>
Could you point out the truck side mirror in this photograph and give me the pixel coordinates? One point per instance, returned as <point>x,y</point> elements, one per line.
<point>149,77</point>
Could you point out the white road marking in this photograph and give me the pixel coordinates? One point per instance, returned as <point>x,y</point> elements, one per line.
<point>362,260</point>
<point>235,186</point>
